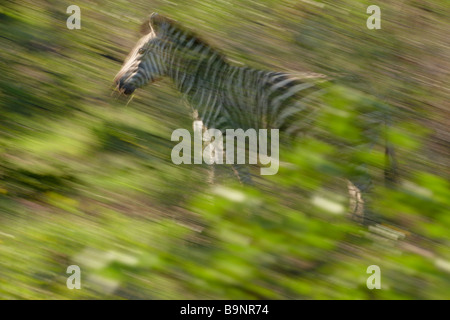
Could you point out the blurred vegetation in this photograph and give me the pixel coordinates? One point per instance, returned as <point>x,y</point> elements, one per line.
<point>86,179</point>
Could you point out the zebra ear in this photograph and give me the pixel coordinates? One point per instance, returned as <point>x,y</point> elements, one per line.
<point>145,28</point>
<point>155,21</point>
<point>151,24</point>
<point>153,17</point>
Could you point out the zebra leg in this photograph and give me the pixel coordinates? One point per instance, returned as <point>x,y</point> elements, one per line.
<point>356,209</point>
<point>358,189</point>
<point>372,121</point>
<point>243,173</point>
<point>201,132</point>
<point>211,174</point>
<point>210,157</point>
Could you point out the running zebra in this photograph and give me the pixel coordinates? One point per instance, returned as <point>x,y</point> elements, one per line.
<point>223,96</point>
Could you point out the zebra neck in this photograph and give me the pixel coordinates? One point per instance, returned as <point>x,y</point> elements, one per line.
<point>196,69</point>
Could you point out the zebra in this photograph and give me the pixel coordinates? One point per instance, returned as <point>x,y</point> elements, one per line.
<point>223,95</point>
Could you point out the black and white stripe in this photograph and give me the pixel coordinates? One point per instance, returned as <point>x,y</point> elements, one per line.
<point>222,95</point>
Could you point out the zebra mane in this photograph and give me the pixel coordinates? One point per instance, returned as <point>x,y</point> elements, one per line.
<point>157,22</point>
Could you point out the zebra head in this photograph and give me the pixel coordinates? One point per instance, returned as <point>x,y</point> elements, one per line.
<point>145,62</point>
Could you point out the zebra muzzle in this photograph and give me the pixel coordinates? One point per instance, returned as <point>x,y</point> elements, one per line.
<point>128,90</point>
<point>125,88</point>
